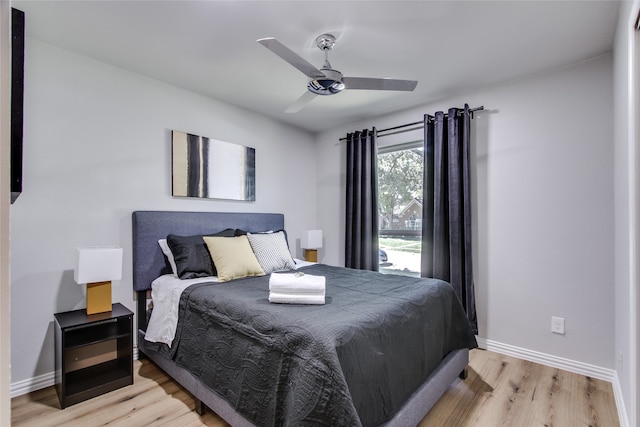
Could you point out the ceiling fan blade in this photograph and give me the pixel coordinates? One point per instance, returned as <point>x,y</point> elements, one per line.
<point>306,98</point>
<point>378,84</point>
<point>291,57</point>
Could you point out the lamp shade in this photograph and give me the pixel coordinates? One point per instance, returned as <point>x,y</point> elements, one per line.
<point>311,239</point>
<point>98,264</point>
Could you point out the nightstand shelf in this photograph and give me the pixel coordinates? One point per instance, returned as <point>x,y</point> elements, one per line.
<point>94,354</point>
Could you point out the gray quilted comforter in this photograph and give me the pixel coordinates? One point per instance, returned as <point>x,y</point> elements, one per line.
<point>353,361</point>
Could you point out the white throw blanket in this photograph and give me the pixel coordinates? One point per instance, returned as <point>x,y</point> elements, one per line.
<point>296,288</point>
<point>166,292</point>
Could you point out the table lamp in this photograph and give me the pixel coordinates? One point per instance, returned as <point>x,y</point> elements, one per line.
<point>310,242</point>
<point>97,267</point>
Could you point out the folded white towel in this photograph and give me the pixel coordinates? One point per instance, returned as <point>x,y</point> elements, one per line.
<point>296,283</point>
<point>316,299</point>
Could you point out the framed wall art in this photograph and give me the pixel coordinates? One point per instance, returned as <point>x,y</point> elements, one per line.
<point>208,168</point>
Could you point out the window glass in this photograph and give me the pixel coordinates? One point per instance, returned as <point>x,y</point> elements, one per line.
<point>400,176</point>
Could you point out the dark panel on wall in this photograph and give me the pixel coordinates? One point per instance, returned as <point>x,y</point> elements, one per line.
<point>17,100</point>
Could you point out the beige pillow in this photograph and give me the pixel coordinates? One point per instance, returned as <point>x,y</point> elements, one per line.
<point>233,257</point>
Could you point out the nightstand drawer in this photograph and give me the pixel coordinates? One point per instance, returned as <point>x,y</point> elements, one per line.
<point>89,355</point>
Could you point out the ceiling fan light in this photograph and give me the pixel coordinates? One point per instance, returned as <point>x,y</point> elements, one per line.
<point>325,86</point>
<point>329,84</point>
<point>338,86</point>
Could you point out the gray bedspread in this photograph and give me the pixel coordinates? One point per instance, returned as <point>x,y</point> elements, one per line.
<point>353,361</point>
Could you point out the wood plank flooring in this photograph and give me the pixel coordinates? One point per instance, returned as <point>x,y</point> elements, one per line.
<point>499,391</point>
<point>504,391</point>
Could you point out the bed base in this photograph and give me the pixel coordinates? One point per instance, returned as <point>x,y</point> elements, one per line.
<point>202,394</point>
<point>454,365</point>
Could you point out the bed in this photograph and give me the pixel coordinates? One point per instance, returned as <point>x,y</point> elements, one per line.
<point>256,363</point>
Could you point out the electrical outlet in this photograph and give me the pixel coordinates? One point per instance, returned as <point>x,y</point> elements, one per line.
<point>557,325</point>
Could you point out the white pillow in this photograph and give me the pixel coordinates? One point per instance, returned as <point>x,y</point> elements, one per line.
<point>167,252</point>
<point>272,251</point>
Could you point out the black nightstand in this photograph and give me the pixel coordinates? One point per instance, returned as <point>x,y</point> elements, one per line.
<point>94,354</point>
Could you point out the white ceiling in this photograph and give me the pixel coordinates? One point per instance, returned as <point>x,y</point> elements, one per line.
<point>210,47</point>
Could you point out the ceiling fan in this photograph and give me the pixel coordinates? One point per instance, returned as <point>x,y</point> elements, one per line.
<point>326,80</point>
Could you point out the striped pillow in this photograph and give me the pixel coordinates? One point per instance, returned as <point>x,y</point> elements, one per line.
<point>272,251</point>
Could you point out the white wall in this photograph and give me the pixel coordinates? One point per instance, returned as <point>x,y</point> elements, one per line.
<point>97,147</point>
<point>543,214</point>
<point>627,163</point>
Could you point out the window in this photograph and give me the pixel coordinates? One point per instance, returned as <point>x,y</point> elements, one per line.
<point>400,175</point>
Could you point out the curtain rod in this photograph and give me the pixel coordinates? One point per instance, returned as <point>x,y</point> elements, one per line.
<point>471,110</point>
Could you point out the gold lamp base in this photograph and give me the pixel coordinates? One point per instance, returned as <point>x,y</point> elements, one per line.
<point>98,297</point>
<point>311,255</point>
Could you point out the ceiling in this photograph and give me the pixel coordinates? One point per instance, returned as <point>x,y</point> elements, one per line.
<point>210,47</point>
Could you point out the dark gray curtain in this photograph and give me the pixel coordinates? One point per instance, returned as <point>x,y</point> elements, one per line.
<point>361,247</point>
<point>446,229</point>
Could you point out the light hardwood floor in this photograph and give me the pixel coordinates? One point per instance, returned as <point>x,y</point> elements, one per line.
<point>499,391</point>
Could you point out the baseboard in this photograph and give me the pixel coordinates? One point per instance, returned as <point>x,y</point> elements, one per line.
<point>581,368</point>
<point>42,381</point>
<point>32,384</point>
<point>622,411</point>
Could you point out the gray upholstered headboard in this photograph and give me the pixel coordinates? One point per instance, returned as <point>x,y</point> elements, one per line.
<point>150,226</point>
